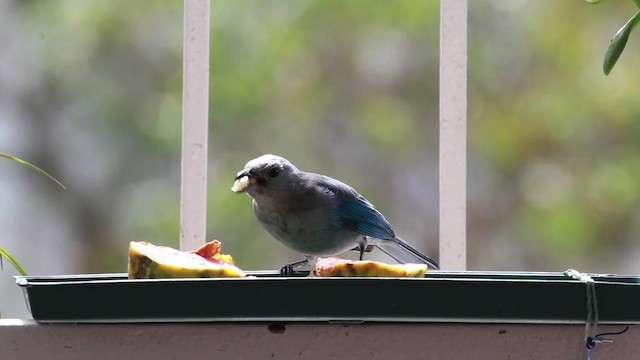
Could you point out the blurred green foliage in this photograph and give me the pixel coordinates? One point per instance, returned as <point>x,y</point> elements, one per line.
<point>619,40</point>
<point>3,252</point>
<point>348,88</point>
<point>33,167</point>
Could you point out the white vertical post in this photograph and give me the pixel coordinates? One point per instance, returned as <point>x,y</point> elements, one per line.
<point>453,134</point>
<point>195,115</point>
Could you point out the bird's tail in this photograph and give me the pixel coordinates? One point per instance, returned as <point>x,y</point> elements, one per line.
<point>403,252</point>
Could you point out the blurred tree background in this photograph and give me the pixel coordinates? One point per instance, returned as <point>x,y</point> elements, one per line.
<point>91,92</point>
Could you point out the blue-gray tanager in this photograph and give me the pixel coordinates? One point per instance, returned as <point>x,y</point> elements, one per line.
<point>316,215</point>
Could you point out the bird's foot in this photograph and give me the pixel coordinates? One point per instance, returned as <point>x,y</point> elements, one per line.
<point>293,268</point>
<point>286,270</point>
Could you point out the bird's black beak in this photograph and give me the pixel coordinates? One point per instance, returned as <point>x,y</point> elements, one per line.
<point>244,179</point>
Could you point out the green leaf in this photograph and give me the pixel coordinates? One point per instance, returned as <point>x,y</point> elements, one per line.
<point>32,166</point>
<point>5,254</point>
<point>593,1</point>
<point>618,43</point>
<point>637,2</point>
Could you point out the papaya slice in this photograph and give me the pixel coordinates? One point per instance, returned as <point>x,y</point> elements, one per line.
<point>332,266</point>
<point>148,261</point>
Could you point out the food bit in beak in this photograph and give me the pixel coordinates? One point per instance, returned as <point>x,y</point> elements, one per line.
<point>241,184</point>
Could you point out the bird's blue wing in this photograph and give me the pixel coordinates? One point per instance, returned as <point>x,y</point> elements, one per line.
<point>356,213</point>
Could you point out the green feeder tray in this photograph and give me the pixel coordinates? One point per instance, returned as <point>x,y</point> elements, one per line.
<point>512,297</point>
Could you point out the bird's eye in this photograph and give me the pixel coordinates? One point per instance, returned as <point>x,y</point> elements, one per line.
<point>273,171</point>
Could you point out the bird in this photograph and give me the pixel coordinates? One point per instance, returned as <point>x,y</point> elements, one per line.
<point>317,215</point>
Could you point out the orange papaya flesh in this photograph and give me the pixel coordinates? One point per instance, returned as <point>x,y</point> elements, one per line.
<point>148,261</point>
<point>211,251</point>
<point>326,267</point>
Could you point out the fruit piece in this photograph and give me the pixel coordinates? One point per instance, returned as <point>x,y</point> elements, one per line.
<point>339,267</point>
<point>211,251</point>
<point>242,184</point>
<point>148,261</point>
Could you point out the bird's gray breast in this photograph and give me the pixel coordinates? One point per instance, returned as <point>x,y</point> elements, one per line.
<point>306,225</point>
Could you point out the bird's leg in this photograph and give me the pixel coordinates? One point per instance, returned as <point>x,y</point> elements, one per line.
<point>367,248</point>
<point>362,246</point>
<point>289,269</point>
<point>362,249</point>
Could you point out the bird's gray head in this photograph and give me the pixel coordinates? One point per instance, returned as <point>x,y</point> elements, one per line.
<point>267,172</point>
